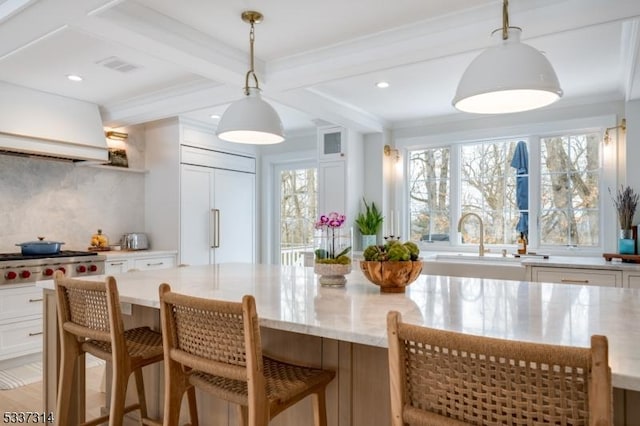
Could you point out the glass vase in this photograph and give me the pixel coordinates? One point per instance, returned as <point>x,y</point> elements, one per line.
<point>332,255</point>
<point>626,242</point>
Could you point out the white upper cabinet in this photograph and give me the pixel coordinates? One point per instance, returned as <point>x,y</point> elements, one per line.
<point>332,143</point>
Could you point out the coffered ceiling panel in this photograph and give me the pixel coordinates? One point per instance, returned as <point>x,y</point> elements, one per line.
<point>110,71</point>
<point>317,61</point>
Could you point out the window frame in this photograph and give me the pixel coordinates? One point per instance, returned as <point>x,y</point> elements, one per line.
<point>532,133</point>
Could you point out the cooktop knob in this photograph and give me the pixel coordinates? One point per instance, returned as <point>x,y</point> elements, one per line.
<point>64,271</point>
<point>10,275</point>
<point>93,268</point>
<point>81,268</point>
<point>25,274</point>
<point>48,272</point>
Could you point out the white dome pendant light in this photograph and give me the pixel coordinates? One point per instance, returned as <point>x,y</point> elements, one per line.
<point>251,120</point>
<point>508,77</point>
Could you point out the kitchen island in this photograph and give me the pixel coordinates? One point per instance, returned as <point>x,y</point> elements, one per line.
<point>345,328</point>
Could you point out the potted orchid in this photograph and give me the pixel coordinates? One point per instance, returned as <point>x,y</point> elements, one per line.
<point>333,242</point>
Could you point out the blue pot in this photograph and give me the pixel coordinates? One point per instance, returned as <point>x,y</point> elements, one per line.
<point>40,247</point>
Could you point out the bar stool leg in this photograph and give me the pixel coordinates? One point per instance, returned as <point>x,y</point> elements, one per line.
<point>69,356</point>
<point>193,406</point>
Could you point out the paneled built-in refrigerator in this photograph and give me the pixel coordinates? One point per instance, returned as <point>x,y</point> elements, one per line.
<point>217,215</point>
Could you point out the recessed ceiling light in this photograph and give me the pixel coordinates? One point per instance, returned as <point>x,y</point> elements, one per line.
<point>215,117</point>
<point>74,77</point>
<point>382,85</point>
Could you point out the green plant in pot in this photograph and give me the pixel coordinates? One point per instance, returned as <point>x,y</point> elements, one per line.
<point>369,223</point>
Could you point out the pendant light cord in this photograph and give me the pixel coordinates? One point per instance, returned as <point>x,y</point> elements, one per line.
<point>505,19</point>
<point>251,71</point>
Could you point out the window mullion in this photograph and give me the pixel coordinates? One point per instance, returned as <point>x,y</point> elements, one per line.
<point>534,191</point>
<point>454,194</point>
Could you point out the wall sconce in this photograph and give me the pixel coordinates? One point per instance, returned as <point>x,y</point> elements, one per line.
<point>622,126</point>
<point>116,136</point>
<point>388,151</point>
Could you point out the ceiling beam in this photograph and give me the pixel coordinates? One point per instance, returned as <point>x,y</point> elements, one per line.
<point>630,52</point>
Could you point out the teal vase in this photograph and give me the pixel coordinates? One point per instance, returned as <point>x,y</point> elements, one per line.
<point>626,242</point>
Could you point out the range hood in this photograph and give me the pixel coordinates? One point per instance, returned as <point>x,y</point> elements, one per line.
<point>39,124</point>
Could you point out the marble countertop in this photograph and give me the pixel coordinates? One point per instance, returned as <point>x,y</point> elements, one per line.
<point>581,262</point>
<point>119,254</point>
<point>584,262</point>
<point>290,298</point>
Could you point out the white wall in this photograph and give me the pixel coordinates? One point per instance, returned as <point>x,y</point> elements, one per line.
<point>631,154</point>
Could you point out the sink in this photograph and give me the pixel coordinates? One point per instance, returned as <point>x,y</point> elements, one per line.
<point>491,265</point>
<point>472,257</point>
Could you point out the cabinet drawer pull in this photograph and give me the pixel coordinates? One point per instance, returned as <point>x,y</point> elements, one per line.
<point>35,334</point>
<point>116,263</point>
<point>569,281</point>
<point>155,264</point>
<point>35,300</point>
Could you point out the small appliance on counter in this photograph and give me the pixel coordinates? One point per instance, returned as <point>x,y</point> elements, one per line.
<point>135,241</point>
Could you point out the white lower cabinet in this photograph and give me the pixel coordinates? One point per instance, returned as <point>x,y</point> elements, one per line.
<point>162,262</point>
<point>116,266</point>
<point>119,263</point>
<point>20,321</point>
<point>598,277</point>
<point>631,279</point>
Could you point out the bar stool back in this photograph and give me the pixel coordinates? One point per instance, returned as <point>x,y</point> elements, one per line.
<point>216,346</point>
<point>90,321</point>
<point>445,378</point>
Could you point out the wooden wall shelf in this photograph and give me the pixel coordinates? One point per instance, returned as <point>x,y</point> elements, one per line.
<point>628,258</point>
<point>113,168</point>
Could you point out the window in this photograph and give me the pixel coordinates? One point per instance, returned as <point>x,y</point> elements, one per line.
<point>492,178</point>
<point>569,188</point>
<point>488,188</point>
<point>429,194</point>
<point>298,212</point>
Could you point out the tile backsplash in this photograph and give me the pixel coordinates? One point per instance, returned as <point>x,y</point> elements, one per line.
<point>66,202</point>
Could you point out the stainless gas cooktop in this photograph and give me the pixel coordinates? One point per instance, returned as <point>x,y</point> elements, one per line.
<point>16,268</point>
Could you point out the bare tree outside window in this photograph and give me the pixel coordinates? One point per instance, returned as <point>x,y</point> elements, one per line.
<point>570,181</point>
<point>429,180</point>
<point>298,212</point>
<point>488,188</point>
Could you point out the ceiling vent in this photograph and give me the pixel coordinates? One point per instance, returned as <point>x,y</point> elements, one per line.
<point>117,64</point>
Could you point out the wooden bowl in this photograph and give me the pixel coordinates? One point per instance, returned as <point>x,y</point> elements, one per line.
<point>391,276</point>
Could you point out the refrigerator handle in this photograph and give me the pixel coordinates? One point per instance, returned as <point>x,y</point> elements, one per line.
<point>214,226</point>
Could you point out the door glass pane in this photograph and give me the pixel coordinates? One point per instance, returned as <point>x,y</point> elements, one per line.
<point>298,212</point>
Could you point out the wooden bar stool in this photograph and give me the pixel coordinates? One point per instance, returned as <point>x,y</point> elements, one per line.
<point>445,378</point>
<point>90,321</point>
<point>216,346</point>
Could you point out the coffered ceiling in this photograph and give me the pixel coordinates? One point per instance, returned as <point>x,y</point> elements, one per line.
<point>317,61</point>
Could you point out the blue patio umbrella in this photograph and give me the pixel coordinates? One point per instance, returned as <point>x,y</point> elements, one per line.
<point>520,162</point>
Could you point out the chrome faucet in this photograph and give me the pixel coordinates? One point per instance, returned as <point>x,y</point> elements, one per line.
<point>462,218</point>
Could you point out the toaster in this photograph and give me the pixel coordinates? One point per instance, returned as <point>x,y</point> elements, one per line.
<point>135,241</point>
